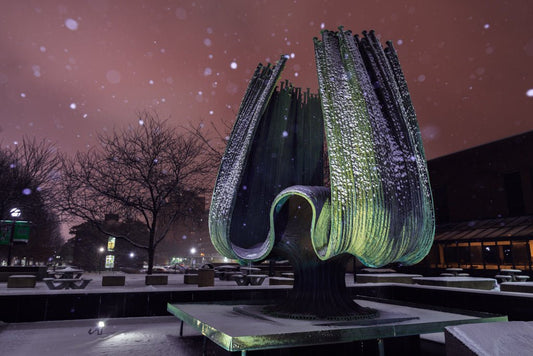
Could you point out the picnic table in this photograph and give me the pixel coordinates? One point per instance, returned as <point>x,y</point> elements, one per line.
<point>249,270</point>
<point>226,272</point>
<point>66,283</point>
<point>511,275</point>
<point>454,270</point>
<point>66,273</point>
<point>249,279</point>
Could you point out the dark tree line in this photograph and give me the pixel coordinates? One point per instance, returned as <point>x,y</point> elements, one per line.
<point>29,173</point>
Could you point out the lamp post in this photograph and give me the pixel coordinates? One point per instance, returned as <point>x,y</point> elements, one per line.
<point>193,251</point>
<point>15,214</point>
<point>101,254</point>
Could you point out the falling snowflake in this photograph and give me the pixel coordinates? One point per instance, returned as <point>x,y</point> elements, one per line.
<point>23,95</point>
<point>486,26</point>
<point>233,65</point>
<point>151,82</point>
<point>73,106</point>
<point>36,70</point>
<point>71,24</point>
<point>207,71</point>
<point>207,42</point>
<point>530,93</point>
<point>42,49</point>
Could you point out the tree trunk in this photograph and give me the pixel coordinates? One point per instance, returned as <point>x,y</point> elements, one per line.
<point>319,290</point>
<point>151,248</point>
<point>150,260</point>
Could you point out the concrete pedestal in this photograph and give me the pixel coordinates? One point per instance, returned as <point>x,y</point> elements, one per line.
<point>244,327</point>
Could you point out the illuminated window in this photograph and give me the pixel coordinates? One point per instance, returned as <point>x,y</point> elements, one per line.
<point>111,244</point>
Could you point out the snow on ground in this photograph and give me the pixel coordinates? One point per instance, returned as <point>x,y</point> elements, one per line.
<point>126,336</point>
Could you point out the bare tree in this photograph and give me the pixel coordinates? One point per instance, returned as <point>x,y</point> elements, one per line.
<point>29,169</point>
<point>148,171</point>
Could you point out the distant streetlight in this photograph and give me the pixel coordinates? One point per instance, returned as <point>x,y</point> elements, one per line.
<point>101,251</point>
<point>15,214</point>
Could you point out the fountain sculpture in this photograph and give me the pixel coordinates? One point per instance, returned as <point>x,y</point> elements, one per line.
<point>273,198</point>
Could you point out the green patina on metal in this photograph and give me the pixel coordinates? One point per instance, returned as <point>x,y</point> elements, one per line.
<point>379,207</point>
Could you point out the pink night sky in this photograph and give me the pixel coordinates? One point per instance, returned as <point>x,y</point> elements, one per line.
<point>71,68</point>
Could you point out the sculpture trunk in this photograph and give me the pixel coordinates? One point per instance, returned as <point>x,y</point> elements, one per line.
<point>319,290</point>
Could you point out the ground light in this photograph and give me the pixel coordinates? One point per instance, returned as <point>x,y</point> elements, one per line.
<point>98,329</point>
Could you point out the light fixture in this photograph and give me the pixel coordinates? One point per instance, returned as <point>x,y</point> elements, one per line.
<point>15,212</point>
<point>98,329</point>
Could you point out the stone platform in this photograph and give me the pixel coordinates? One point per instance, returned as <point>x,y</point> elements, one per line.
<point>457,282</point>
<point>242,327</point>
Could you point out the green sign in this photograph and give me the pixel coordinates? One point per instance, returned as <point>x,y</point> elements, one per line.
<point>21,235</point>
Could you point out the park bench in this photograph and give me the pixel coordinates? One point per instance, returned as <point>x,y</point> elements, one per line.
<point>66,283</point>
<point>503,278</point>
<point>21,281</point>
<point>113,280</point>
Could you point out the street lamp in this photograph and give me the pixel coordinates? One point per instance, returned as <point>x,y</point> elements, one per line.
<point>15,214</point>
<point>193,251</point>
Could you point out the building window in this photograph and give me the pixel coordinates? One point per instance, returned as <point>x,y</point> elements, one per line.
<point>514,194</point>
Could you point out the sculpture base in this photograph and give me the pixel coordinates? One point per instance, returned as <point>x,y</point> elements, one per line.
<point>242,327</point>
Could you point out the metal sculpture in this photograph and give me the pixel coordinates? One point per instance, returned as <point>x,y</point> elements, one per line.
<point>270,200</point>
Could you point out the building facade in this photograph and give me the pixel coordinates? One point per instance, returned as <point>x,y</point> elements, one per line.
<point>483,200</point>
